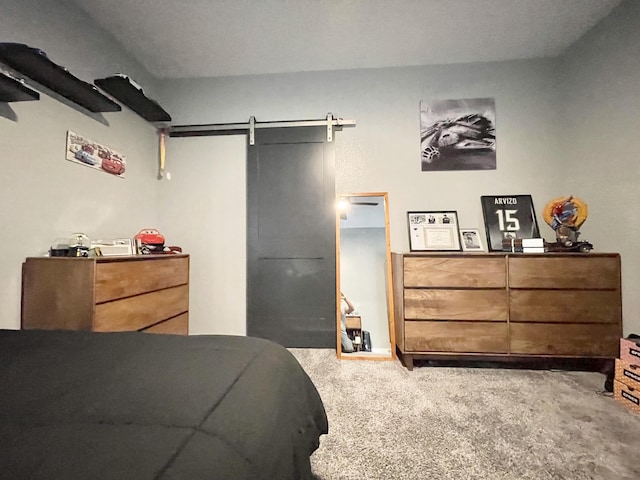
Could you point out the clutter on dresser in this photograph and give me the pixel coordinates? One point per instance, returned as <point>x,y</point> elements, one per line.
<point>539,245</point>
<point>523,245</point>
<point>147,241</point>
<point>79,245</point>
<point>565,215</point>
<point>59,248</point>
<point>113,247</point>
<point>151,241</point>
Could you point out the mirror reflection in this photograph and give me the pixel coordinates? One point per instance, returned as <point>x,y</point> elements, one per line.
<point>365,315</point>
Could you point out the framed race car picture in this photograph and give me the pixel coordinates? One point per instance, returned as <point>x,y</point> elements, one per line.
<point>506,217</point>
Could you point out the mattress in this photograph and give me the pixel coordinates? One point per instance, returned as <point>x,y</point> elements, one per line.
<point>86,405</point>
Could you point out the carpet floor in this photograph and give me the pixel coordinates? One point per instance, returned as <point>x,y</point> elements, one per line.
<point>442,423</point>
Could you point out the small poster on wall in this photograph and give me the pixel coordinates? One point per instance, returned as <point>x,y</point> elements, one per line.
<point>91,154</point>
<point>458,134</point>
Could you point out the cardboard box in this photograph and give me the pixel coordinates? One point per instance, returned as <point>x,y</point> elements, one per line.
<point>353,322</point>
<point>630,350</point>
<point>626,395</point>
<point>628,374</point>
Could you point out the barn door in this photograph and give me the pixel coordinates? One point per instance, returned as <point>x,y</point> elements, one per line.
<point>291,237</point>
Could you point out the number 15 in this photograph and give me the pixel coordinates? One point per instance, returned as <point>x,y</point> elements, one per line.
<point>507,220</point>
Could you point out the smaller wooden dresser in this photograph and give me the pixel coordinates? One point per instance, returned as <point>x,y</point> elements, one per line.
<point>148,293</point>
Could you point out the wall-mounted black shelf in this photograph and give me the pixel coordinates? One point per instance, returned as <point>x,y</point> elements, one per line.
<point>12,90</point>
<point>130,94</point>
<point>34,63</point>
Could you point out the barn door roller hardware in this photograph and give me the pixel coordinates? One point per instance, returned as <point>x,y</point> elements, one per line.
<point>250,127</point>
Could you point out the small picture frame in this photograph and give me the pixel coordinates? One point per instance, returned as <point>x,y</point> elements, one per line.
<point>471,240</point>
<point>507,217</point>
<point>433,231</point>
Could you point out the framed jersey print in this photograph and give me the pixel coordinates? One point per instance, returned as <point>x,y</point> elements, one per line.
<point>508,216</point>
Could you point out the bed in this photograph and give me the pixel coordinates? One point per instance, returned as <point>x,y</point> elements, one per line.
<point>83,405</point>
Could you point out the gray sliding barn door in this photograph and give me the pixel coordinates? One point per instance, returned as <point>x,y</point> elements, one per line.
<point>291,237</point>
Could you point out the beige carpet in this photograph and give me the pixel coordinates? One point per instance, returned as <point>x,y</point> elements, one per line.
<point>468,423</point>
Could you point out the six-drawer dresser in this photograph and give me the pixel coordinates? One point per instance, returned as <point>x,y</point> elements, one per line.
<point>508,307</point>
<point>148,293</point>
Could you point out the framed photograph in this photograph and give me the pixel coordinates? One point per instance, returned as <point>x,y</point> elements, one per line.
<point>507,217</point>
<point>458,134</point>
<point>433,231</point>
<point>471,240</point>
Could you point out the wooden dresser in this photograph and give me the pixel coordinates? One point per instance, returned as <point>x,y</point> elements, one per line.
<point>149,293</point>
<point>509,307</point>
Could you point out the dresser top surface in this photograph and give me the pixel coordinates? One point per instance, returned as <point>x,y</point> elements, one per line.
<point>504,254</point>
<point>110,258</point>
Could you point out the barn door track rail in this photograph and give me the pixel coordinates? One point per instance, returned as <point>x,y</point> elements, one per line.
<point>332,123</point>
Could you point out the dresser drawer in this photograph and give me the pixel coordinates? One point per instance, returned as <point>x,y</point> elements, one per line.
<point>565,272</point>
<point>175,326</point>
<point>435,304</point>
<point>119,279</point>
<point>461,337</point>
<point>456,272</point>
<point>136,313</point>
<point>566,306</point>
<point>565,339</point>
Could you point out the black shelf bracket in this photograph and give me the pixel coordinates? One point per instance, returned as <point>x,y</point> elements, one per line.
<point>34,64</point>
<point>130,94</point>
<point>13,90</point>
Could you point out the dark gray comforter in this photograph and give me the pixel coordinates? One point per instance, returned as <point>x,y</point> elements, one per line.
<point>81,405</point>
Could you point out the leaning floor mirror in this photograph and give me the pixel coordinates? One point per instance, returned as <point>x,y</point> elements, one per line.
<point>365,326</point>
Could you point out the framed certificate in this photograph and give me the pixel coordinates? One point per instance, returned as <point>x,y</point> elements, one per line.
<point>433,231</point>
<point>508,216</point>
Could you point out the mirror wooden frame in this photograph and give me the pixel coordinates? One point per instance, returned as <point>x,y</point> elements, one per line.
<point>388,282</point>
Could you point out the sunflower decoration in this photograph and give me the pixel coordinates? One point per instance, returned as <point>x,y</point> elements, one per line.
<point>565,215</point>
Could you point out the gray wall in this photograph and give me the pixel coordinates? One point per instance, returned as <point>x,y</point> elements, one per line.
<point>71,39</point>
<point>44,196</point>
<point>600,141</point>
<point>381,154</point>
<point>204,210</point>
<point>564,126</point>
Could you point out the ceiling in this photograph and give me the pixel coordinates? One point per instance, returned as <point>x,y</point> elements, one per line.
<point>210,38</point>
